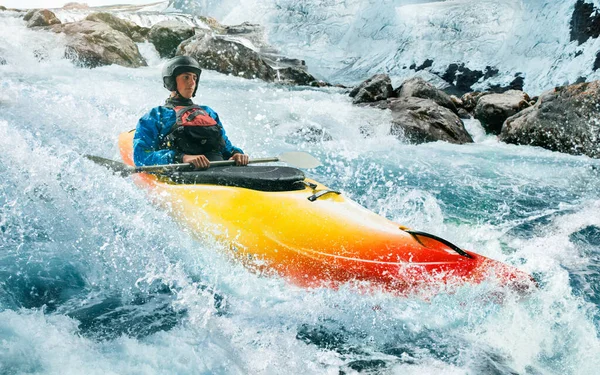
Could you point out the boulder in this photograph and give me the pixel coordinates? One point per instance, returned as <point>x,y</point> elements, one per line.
<point>566,119</point>
<point>296,75</point>
<point>458,103</point>
<point>417,87</point>
<point>167,35</point>
<point>378,87</point>
<point>464,114</point>
<point>252,32</point>
<point>2,7</point>
<point>423,120</point>
<point>42,17</point>
<point>224,56</point>
<point>470,99</point>
<point>493,109</point>
<point>29,14</point>
<point>91,44</point>
<point>137,33</point>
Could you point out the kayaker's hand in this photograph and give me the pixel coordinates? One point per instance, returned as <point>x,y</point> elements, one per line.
<point>240,159</point>
<point>199,161</point>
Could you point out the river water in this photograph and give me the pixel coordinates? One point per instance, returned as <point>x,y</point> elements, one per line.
<point>95,279</point>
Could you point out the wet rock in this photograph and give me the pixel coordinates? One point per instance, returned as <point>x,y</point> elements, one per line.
<point>237,55</point>
<point>29,14</point>
<point>2,7</point>
<point>213,24</point>
<point>288,70</point>
<point>423,120</point>
<point>216,53</point>
<point>597,62</point>
<point>417,87</point>
<point>585,22</point>
<point>471,99</point>
<point>167,35</point>
<point>136,33</point>
<point>252,32</point>
<point>493,109</point>
<point>91,44</point>
<point>458,103</point>
<point>42,17</point>
<point>566,119</point>
<point>464,114</point>
<point>297,76</point>
<point>378,87</point>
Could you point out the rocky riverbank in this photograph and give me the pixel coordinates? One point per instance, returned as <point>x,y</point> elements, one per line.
<point>564,119</point>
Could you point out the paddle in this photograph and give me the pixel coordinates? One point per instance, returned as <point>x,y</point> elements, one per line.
<point>294,158</point>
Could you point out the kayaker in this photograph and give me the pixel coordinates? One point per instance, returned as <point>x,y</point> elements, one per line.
<point>180,131</point>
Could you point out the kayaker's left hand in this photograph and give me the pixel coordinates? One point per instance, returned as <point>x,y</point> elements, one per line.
<point>240,159</point>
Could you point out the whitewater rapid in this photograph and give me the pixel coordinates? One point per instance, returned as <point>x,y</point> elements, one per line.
<point>95,279</point>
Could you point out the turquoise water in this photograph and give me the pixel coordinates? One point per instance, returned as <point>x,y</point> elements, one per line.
<point>95,279</point>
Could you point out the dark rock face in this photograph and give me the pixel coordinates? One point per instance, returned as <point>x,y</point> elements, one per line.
<point>565,120</point>
<point>422,120</point>
<point>492,110</point>
<point>597,62</point>
<point>419,88</point>
<point>461,77</point>
<point>91,44</point>
<point>42,17</point>
<point>426,64</point>
<point>585,22</point>
<point>167,35</point>
<point>378,87</point>
<point>516,84</point>
<point>136,33</point>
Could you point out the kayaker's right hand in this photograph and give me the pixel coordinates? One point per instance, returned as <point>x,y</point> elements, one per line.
<point>199,161</point>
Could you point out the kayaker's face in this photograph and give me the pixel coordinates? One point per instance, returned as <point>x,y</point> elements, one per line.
<point>186,84</point>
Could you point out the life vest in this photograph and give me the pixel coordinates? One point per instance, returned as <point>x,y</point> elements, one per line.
<point>195,132</point>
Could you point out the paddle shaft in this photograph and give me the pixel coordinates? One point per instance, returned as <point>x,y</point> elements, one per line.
<point>183,166</point>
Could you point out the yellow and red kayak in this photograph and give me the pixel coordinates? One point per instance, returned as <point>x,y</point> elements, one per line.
<point>301,230</point>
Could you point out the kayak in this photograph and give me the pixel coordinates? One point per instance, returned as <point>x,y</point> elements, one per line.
<point>276,221</point>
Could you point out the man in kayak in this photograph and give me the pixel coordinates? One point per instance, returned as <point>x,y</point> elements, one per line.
<point>180,131</point>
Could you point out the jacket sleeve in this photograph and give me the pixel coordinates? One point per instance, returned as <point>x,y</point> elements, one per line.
<point>149,133</point>
<point>229,148</point>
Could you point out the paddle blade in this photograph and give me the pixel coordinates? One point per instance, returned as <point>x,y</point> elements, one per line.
<point>115,166</point>
<point>299,159</point>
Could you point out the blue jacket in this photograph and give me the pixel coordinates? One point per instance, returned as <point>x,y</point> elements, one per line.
<point>154,126</point>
